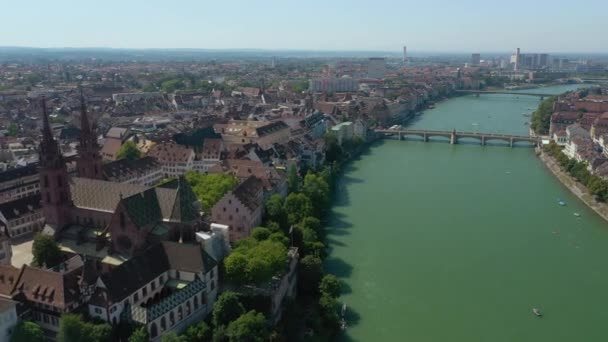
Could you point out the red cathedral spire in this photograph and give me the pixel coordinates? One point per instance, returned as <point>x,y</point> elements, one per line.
<point>54,186</point>
<point>88,164</point>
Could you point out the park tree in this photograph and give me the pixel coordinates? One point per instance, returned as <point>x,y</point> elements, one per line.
<point>330,285</point>
<point>293,179</point>
<point>73,329</point>
<point>199,332</point>
<point>310,273</point>
<point>236,265</point>
<point>312,223</point>
<point>317,190</point>
<point>227,308</point>
<point>260,233</point>
<point>275,211</point>
<point>210,188</point>
<point>172,336</point>
<point>139,335</point>
<point>297,206</point>
<point>249,327</point>
<point>45,250</point>
<point>27,331</point>
<point>129,151</point>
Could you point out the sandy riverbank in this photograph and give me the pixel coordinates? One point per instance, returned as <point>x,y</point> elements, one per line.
<point>575,187</point>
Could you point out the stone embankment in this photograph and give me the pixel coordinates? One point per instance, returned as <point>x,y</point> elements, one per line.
<point>575,187</point>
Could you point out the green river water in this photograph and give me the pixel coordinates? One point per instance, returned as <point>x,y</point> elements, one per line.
<point>439,242</point>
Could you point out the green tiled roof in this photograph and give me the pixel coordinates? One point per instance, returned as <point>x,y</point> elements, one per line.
<point>143,208</point>
<point>184,208</point>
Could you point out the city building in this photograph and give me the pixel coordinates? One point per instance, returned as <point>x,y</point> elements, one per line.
<point>376,68</point>
<point>240,209</point>
<point>175,159</point>
<point>343,131</point>
<point>8,318</point>
<point>143,171</point>
<point>166,288</point>
<point>475,59</point>
<point>404,54</point>
<point>19,182</point>
<point>210,155</point>
<point>22,217</point>
<point>332,85</point>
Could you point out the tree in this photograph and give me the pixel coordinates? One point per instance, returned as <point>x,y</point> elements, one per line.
<point>73,329</point>
<point>256,261</point>
<point>293,179</point>
<point>297,206</point>
<point>227,309</point>
<point>310,273</point>
<point>199,332</point>
<point>210,188</point>
<point>328,306</point>
<point>45,250</point>
<point>173,337</point>
<point>260,233</point>
<point>250,327</point>
<point>27,331</point>
<point>317,190</point>
<point>274,210</point>
<point>312,223</point>
<point>236,267</point>
<point>330,285</point>
<point>13,129</point>
<point>128,150</point>
<point>139,335</point>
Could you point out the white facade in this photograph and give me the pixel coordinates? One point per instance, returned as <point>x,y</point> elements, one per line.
<point>343,131</point>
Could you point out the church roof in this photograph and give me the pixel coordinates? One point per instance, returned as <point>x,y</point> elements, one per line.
<point>100,195</point>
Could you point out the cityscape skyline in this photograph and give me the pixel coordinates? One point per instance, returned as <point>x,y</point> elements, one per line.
<point>438,26</point>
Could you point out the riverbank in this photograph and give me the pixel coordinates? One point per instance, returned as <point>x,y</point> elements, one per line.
<point>575,187</point>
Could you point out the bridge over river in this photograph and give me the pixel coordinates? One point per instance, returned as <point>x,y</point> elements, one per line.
<point>453,136</point>
<point>478,92</point>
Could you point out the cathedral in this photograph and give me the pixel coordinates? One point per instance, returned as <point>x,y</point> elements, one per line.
<point>106,220</point>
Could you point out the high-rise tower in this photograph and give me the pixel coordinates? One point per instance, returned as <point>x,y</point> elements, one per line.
<point>404,54</point>
<point>54,186</point>
<point>89,162</point>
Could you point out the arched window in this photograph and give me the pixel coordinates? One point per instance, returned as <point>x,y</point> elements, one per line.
<point>153,330</point>
<point>188,308</point>
<point>171,318</point>
<point>196,302</point>
<point>122,220</point>
<point>46,180</point>
<point>59,181</point>
<point>180,313</point>
<point>163,324</point>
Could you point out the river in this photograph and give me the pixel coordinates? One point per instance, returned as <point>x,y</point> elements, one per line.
<point>439,242</point>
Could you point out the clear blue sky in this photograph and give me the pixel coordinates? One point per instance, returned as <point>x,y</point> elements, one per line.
<point>422,25</point>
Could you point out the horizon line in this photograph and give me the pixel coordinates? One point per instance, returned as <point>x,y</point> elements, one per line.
<point>288,50</point>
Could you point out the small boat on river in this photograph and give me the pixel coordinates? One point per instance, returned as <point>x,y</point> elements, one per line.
<point>537,312</point>
<point>561,202</point>
<point>577,214</point>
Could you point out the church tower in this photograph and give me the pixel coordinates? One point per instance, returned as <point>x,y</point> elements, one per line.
<point>89,161</point>
<point>54,187</point>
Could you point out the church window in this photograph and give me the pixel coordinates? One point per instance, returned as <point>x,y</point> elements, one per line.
<point>122,220</point>
<point>46,180</point>
<point>59,181</point>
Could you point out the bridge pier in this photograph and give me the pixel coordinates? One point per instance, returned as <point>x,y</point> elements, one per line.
<point>483,140</point>
<point>542,98</point>
<point>453,138</point>
<point>425,137</point>
<point>400,136</point>
<point>511,142</point>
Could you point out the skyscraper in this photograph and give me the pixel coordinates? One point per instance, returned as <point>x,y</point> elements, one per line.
<point>404,54</point>
<point>517,60</point>
<point>475,59</point>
